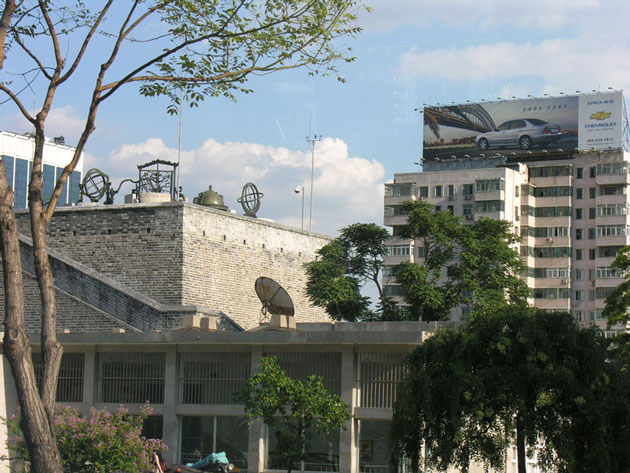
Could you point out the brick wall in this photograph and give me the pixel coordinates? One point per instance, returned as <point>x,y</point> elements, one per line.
<point>185,254</point>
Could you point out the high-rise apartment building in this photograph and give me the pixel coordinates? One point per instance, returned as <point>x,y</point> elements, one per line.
<point>571,210</point>
<point>17,154</point>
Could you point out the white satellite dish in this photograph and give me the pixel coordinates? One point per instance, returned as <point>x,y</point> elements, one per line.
<point>274,298</point>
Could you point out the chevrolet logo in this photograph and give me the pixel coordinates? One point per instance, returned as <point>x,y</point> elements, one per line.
<point>600,115</point>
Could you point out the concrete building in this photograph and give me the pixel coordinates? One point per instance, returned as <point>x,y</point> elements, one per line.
<point>189,376</point>
<point>17,154</point>
<point>156,302</point>
<point>570,208</point>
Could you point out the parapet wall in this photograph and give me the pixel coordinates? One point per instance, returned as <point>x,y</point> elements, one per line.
<point>184,254</point>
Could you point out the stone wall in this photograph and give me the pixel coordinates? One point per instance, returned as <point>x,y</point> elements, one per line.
<point>224,255</point>
<point>184,254</point>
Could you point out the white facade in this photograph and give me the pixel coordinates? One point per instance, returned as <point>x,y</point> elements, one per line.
<point>571,211</point>
<point>17,153</point>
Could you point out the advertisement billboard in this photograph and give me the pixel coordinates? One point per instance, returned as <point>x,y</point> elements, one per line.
<point>568,122</point>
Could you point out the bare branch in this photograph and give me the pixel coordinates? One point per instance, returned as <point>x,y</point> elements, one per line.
<point>53,32</point>
<point>86,41</point>
<point>17,102</point>
<point>27,50</point>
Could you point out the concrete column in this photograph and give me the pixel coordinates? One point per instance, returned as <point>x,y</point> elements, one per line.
<point>90,380</point>
<point>170,425</point>
<point>347,441</point>
<point>256,449</point>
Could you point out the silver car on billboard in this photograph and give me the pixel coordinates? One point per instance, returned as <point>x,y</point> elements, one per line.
<point>523,133</point>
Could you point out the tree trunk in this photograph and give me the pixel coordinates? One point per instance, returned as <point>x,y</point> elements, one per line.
<point>520,445</point>
<point>35,423</point>
<point>51,348</point>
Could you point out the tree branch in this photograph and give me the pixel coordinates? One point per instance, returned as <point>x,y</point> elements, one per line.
<point>17,102</point>
<point>30,53</point>
<point>86,41</point>
<point>53,32</point>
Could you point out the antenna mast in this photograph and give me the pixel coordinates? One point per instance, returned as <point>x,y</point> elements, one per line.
<point>312,141</point>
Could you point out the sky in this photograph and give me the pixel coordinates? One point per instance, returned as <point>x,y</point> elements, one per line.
<point>410,53</point>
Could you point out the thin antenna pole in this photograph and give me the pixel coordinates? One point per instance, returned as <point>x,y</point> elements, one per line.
<point>179,147</point>
<point>312,141</point>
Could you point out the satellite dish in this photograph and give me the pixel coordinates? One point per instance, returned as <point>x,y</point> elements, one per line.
<point>274,298</point>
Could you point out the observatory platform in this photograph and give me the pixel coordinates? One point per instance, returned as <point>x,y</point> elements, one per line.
<point>145,267</point>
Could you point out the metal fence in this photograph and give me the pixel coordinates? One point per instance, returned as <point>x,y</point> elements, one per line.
<point>302,365</point>
<point>379,376</point>
<point>70,385</point>
<point>131,377</point>
<point>212,378</point>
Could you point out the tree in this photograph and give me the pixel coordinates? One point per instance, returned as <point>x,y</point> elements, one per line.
<point>343,266</point>
<point>618,302</point>
<point>291,409</point>
<point>103,442</point>
<point>521,370</point>
<point>475,265</point>
<point>201,49</point>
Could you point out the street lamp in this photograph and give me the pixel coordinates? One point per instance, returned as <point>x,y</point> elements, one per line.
<point>297,190</point>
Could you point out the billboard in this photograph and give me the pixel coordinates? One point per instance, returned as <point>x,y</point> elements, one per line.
<point>568,122</point>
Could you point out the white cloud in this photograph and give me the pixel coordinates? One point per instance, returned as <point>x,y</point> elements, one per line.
<point>563,64</point>
<point>346,189</point>
<point>389,14</point>
<point>61,121</point>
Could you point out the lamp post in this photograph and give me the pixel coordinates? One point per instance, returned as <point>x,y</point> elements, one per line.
<point>312,141</point>
<point>298,190</point>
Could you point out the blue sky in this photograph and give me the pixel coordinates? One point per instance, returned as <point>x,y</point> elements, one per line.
<point>410,52</point>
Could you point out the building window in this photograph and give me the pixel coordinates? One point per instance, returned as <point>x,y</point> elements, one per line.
<point>468,190</point>
<point>131,377</point>
<point>516,191</point>
<point>398,190</point>
<point>21,183</point>
<point>592,172</point>
<point>579,193</point>
<point>379,377</point>
<point>578,274</point>
<point>579,214</point>
<point>591,233</point>
<point>578,233</point>
<point>578,295</point>
<point>422,252</point>
<point>467,212</point>
<point>606,210</point>
<point>451,190</point>
<point>591,213</point>
<point>578,315</point>
<point>578,254</point>
<point>438,191</point>
<point>302,365</point>
<point>611,230</point>
<point>489,185</point>
<point>450,209</point>
<point>591,253</point>
<point>580,173</point>
<point>203,435</point>
<point>398,250</point>
<point>592,192</point>
<point>70,384</point>
<point>591,295</point>
<point>324,455</point>
<point>212,378</point>
<point>591,275</point>
<point>490,206</point>
<point>423,191</point>
<point>609,251</point>
<point>374,454</point>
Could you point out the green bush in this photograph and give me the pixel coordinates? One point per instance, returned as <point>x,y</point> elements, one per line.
<point>102,443</point>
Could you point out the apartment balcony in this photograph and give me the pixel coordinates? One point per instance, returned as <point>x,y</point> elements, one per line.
<point>491,195</point>
<point>618,240</point>
<point>611,220</point>
<point>612,179</point>
<point>553,304</point>
<point>394,220</point>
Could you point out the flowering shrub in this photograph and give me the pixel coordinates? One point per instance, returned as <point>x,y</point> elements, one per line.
<point>104,442</point>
